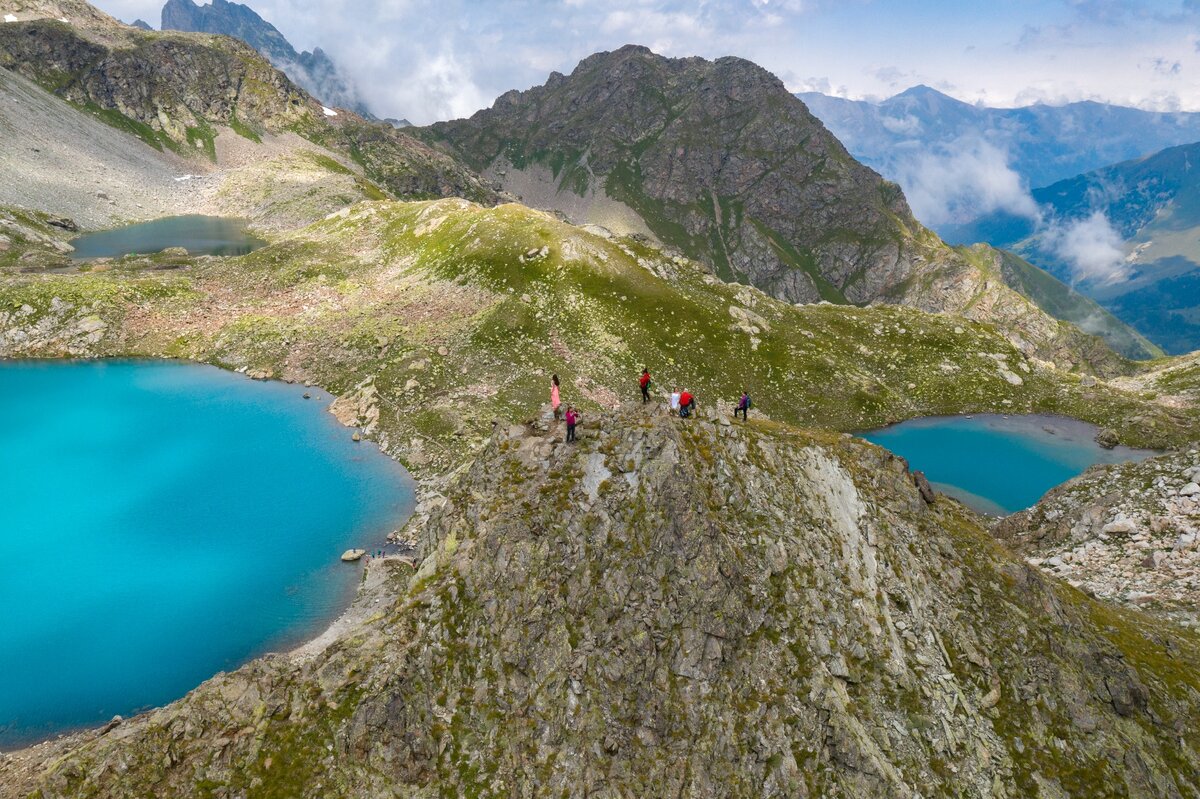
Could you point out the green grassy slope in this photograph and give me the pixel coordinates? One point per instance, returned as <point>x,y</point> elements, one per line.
<point>433,319</point>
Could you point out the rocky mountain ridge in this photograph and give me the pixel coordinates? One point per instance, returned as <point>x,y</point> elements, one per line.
<point>314,71</point>
<point>178,91</point>
<point>905,135</point>
<point>691,608</point>
<point>717,160</point>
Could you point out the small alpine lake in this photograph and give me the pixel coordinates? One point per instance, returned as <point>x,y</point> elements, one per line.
<point>999,464</point>
<point>199,235</point>
<point>161,522</point>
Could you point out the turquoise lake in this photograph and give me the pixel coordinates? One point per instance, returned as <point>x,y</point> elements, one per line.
<point>199,235</point>
<point>999,465</point>
<point>161,522</point>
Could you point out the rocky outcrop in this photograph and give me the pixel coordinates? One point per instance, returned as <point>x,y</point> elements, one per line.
<point>684,608</point>
<point>178,90</point>
<point>718,160</point>
<point>315,71</point>
<point>1128,534</point>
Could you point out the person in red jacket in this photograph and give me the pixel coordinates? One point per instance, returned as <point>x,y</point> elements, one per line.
<point>644,382</point>
<point>687,403</point>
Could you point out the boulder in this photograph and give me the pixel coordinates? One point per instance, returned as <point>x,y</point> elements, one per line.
<point>63,223</point>
<point>351,555</point>
<point>1107,439</point>
<point>1119,525</point>
<point>1189,490</point>
<point>923,486</point>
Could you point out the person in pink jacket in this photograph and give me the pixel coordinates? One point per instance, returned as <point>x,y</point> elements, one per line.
<point>555,400</point>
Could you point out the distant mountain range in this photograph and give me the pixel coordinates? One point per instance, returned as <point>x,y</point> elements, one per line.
<point>956,161</point>
<point>1128,235</point>
<point>314,71</point>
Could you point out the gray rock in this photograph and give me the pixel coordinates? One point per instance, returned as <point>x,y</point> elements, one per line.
<point>925,489</point>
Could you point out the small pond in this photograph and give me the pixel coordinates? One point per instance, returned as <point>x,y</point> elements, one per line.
<point>161,522</point>
<point>199,235</point>
<point>999,464</point>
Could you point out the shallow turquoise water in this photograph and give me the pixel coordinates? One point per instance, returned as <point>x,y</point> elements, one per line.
<point>199,235</point>
<point>997,464</point>
<point>161,522</point>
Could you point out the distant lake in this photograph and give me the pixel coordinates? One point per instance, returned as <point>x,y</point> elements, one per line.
<point>161,522</point>
<point>199,235</point>
<point>995,464</point>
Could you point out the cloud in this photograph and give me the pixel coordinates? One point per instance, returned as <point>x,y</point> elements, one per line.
<point>426,59</point>
<point>906,125</point>
<point>1092,248</point>
<point>963,180</point>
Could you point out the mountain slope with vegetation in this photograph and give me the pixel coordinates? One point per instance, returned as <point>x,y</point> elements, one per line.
<point>432,319</point>
<point>718,161</point>
<point>1151,205</point>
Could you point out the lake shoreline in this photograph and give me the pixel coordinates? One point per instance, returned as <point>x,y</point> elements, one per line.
<point>377,579</point>
<point>1000,464</point>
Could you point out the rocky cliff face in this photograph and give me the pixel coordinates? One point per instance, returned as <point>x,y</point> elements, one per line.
<point>314,71</point>
<point>177,90</point>
<point>718,160</point>
<point>683,608</point>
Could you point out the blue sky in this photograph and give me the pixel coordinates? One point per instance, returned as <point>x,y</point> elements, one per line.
<point>436,59</point>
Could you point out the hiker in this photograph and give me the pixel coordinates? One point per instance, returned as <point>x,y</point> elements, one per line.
<point>687,404</point>
<point>572,420</point>
<point>644,382</point>
<point>555,400</point>
<point>675,401</point>
<point>743,406</point>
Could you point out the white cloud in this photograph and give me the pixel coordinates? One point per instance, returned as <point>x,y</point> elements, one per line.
<point>961,181</point>
<point>1092,247</point>
<point>907,125</point>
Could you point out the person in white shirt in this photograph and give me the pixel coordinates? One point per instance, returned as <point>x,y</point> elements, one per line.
<point>675,401</point>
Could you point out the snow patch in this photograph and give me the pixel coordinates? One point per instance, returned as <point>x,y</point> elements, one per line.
<point>329,112</point>
<point>10,18</point>
<point>186,177</point>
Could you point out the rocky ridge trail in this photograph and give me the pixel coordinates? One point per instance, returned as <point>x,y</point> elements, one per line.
<point>684,607</point>
<point>429,319</point>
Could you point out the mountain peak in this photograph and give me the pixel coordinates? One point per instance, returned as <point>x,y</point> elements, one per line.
<point>924,94</point>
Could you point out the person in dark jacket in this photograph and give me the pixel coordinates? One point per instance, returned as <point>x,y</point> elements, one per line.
<point>743,406</point>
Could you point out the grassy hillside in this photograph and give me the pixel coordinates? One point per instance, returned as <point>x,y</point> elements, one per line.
<point>432,319</point>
